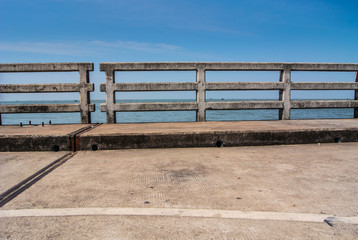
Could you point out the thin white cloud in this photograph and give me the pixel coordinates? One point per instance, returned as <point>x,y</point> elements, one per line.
<point>138,46</point>
<point>83,48</point>
<point>43,48</point>
<point>167,46</point>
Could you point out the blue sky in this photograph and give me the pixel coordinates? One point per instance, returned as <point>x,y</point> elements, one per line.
<point>162,30</point>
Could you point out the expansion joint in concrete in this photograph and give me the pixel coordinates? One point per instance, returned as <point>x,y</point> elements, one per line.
<point>74,137</point>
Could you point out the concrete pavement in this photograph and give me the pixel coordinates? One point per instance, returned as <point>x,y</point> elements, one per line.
<point>260,192</point>
<point>15,167</point>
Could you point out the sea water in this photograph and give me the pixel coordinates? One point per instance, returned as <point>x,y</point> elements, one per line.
<point>166,116</point>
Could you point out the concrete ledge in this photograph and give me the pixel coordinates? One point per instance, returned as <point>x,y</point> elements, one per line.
<point>176,135</point>
<point>216,134</point>
<point>35,143</point>
<point>38,138</point>
<point>216,139</point>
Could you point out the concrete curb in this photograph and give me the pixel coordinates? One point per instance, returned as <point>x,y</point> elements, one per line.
<point>217,139</point>
<point>177,135</point>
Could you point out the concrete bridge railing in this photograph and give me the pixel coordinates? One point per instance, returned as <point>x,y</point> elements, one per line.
<point>84,87</point>
<point>284,85</point>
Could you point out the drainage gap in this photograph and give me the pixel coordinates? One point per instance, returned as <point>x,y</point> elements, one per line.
<point>94,147</point>
<point>219,143</point>
<point>55,148</point>
<point>337,140</point>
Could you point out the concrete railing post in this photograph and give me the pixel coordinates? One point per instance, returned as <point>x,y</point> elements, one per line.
<point>84,95</point>
<point>285,94</point>
<point>110,96</point>
<point>200,95</point>
<point>356,98</point>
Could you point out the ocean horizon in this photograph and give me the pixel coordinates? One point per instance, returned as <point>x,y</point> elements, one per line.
<point>166,116</point>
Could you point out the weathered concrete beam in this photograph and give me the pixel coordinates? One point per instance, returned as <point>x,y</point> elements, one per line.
<point>285,94</point>
<point>201,95</point>
<point>35,88</point>
<point>45,67</point>
<point>252,66</point>
<point>226,66</point>
<point>244,105</point>
<point>149,66</point>
<point>85,99</point>
<point>190,66</point>
<point>244,86</point>
<point>336,67</point>
<point>323,86</point>
<point>110,96</point>
<point>133,107</point>
<point>43,108</point>
<point>123,87</point>
<point>243,66</point>
<point>325,104</point>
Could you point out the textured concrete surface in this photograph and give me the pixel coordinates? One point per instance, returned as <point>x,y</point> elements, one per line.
<point>270,181</point>
<point>298,178</point>
<point>16,167</point>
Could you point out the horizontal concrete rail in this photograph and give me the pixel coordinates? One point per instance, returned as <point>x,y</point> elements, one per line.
<point>44,108</point>
<point>83,87</point>
<point>325,104</point>
<point>226,66</point>
<point>244,105</point>
<point>166,106</point>
<point>45,88</point>
<point>324,86</point>
<point>284,86</point>
<point>244,86</point>
<point>131,87</point>
<point>45,67</point>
